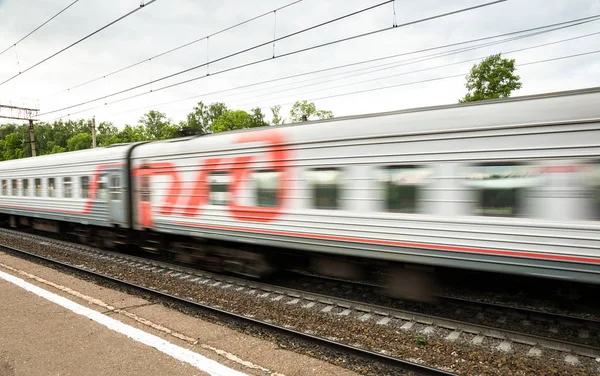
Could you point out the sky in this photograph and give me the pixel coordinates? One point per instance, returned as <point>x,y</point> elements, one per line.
<point>416,79</point>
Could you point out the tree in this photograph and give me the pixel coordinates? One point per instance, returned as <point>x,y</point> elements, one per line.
<point>200,120</point>
<point>491,79</point>
<point>231,120</point>
<point>153,123</point>
<point>276,119</point>
<point>79,142</point>
<point>258,118</point>
<point>12,146</point>
<point>57,149</point>
<point>303,111</point>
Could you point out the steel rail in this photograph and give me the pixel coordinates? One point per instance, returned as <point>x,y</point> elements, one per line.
<point>443,322</point>
<point>355,351</point>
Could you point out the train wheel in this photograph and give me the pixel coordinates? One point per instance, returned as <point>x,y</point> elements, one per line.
<point>412,284</point>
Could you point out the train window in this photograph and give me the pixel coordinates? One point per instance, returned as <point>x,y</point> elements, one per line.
<point>219,188</point>
<point>67,188</point>
<point>401,187</point>
<point>145,188</point>
<point>38,187</point>
<point>51,187</point>
<point>4,188</point>
<point>115,187</point>
<point>266,188</point>
<point>325,187</point>
<point>25,187</point>
<point>102,187</point>
<point>15,187</point>
<point>500,188</point>
<point>85,186</point>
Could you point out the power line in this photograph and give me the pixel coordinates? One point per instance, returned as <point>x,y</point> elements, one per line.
<point>558,26</point>
<point>179,47</point>
<point>275,57</point>
<point>419,70</point>
<point>230,55</point>
<point>429,79</point>
<point>513,36</point>
<point>79,41</point>
<point>438,78</point>
<point>39,27</point>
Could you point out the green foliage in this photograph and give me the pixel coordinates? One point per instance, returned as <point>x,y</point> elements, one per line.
<point>421,340</point>
<point>276,119</point>
<point>70,135</point>
<point>79,142</point>
<point>232,120</point>
<point>258,118</point>
<point>12,146</point>
<point>302,111</point>
<point>57,149</point>
<point>152,124</point>
<point>491,79</point>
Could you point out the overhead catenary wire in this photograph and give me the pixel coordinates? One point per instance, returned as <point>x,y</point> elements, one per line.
<point>436,79</point>
<point>78,41</point>
<point>419,70</point>
<point>265,107</point>
<point>277,57</point>
<point>37,28</point>
<point>539,30</point>
<point>178,47</point>
<point>514,35</point>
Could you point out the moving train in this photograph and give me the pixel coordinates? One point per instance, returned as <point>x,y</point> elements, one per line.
<point>501,186</point>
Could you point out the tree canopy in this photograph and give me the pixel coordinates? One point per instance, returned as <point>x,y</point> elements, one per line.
<point>491,79</point>
<point>71,135</point>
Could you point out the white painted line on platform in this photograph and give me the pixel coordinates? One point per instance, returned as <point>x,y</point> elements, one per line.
<point>205,364</point>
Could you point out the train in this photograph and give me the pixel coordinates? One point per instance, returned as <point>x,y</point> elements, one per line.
<point>509,186</point>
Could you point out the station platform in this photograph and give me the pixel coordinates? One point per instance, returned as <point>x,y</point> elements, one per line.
<point>53,323</point>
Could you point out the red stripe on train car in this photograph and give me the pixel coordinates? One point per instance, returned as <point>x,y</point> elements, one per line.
<point>404,244</point>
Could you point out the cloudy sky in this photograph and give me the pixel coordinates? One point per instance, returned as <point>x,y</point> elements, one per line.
<point>166,24</point>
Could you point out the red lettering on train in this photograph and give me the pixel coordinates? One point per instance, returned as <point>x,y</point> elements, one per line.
<point>198,195</point>
<point>174,190</point>
<point>239,169</point>
<point>278,158</point>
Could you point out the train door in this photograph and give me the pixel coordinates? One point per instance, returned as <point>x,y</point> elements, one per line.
<point>116,197</point>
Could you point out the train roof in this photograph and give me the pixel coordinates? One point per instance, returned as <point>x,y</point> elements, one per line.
<point>110,153</point>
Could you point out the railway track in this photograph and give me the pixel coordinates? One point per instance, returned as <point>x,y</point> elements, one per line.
<point>500,315</point>
<point>423,326</point>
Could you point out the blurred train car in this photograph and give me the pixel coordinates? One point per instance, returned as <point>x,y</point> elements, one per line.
<point>504,186</point>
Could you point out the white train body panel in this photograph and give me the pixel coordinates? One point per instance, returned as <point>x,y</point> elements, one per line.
<point>93,208</point>
<point>558,234</point>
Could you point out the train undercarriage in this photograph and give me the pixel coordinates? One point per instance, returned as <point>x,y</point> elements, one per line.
<point>397,280</point>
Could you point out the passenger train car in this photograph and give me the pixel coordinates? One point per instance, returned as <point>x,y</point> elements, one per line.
<point>509,186</point>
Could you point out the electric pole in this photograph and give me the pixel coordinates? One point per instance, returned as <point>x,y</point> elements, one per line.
<point>22,113</point>
<point>94,132</point>
<point>32,138</point>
